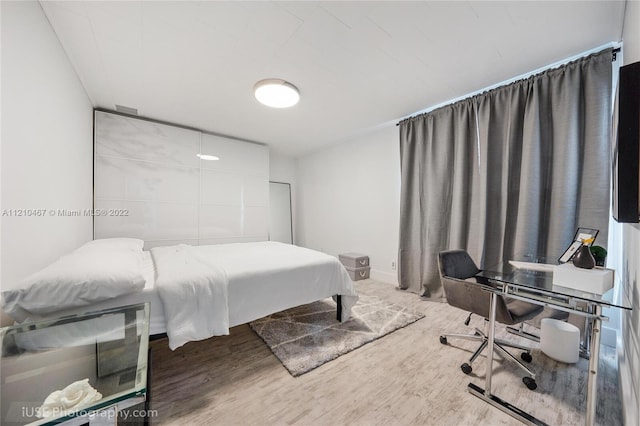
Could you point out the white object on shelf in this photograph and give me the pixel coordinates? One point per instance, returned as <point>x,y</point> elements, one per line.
<point>596,280</point>
<point>560,340</point>
<point>546,267</point>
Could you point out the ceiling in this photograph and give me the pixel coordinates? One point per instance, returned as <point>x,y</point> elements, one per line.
<point>358,65</point>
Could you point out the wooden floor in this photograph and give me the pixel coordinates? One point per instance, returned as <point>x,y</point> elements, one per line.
<point>405,378</point>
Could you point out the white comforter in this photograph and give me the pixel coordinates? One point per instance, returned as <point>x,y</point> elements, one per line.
<point>194,293</point>
<point>197,283</point>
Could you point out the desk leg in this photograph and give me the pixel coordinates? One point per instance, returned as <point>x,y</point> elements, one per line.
<point>592,384</point>
<point>585,344</point>
<point>485,394</point>
<point>491,339</point>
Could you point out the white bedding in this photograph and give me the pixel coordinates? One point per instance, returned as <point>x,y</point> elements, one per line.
<point>194,292</point>
<point>98,270</point>
<point>263,278</point>
<point>147,295</point>
<point>267,277</point>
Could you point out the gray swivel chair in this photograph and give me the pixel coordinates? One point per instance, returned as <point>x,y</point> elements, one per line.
<point>457,271</point>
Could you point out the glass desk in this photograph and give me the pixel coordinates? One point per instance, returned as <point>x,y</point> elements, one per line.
<point>536,286</point>
<point>109,348</point>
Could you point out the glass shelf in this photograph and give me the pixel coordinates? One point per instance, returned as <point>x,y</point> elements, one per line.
<point>109,348</point>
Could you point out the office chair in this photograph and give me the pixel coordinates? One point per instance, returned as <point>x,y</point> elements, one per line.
<point>457,270</point>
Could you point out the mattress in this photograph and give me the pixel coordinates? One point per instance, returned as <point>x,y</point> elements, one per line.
<point>260,283</point>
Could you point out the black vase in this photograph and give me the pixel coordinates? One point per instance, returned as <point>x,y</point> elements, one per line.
<point>583,258</point>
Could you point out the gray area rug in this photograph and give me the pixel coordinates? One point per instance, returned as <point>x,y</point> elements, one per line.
<point>305,337</point>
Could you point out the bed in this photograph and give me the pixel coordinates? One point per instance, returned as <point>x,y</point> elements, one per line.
<point>182,285</point>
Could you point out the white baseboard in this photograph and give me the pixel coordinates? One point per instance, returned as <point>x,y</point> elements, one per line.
<point>387,277</point>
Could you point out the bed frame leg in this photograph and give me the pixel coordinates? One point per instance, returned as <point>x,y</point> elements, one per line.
<point>339,311</point>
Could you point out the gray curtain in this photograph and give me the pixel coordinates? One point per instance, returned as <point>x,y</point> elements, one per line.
<point>511,172</point>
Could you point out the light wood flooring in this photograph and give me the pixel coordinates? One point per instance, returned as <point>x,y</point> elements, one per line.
<point>404,378</point>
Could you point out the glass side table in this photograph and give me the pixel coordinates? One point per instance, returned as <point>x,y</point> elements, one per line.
<point>107,350</point>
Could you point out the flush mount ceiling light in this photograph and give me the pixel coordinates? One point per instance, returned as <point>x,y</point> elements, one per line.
<point>276,93</point>
<point>207,157</point>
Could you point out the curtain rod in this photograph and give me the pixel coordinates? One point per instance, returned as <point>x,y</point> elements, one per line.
<point>614,52</point>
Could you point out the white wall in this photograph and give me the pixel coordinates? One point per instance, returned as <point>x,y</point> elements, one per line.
<point>348,199</point>
<point>281,168</point>
<point>629,359</point>
<point>631,36</point>
<point>46,144</point>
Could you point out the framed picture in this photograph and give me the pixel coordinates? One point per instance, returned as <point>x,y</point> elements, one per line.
<point>581,235</point>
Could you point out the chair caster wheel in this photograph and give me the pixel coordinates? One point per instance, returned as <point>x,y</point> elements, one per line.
<point>526,356</point>
<point>466,368</point>
<point>443,340</point>
<point>530,383</point>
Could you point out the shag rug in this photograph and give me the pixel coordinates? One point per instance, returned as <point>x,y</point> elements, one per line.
<point>307,336</point>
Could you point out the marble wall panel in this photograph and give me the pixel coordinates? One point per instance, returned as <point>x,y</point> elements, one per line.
<point>145,220</point>
<point>125,179</point>
<point>219,221</point>
<point>127,137</point>
<point>151,170</point>
<point>235,156</point>
<point>221,188</point>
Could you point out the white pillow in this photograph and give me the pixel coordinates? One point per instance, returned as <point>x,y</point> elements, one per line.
<point>114,243</point>
<point>92,273</point>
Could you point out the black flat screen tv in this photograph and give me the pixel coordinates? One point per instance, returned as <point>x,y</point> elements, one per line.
<point>626,152</point>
